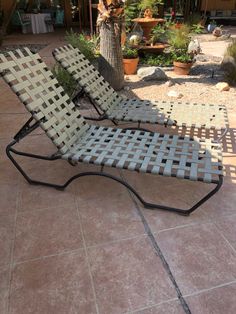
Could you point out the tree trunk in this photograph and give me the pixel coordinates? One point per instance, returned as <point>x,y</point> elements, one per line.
<point>111,60</point>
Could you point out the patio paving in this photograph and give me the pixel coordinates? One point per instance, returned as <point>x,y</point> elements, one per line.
<point>94,249</point>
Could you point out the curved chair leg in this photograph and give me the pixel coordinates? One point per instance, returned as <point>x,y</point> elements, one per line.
<point>10,150</point>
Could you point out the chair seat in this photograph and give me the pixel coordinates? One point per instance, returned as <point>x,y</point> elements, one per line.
<point>182,157</point>
<point>170,113</point>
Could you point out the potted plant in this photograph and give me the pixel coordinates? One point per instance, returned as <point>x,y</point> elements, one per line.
<point>130,60</point>
<point>179,40</point>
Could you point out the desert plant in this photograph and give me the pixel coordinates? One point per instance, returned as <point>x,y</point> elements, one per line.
<point>80,41</point>
<point>179,40</point>
<point>65,80</point>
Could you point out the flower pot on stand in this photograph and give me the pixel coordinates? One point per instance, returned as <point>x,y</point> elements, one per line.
<point>182,68</point>
<point>130,66</point>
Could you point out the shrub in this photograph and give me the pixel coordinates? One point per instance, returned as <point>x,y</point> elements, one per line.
<point>85,45</point>
<point>158,60</point>
<point>159,34</point>
<point>65,80</point>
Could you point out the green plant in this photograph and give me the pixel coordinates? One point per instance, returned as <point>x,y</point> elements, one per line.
<point>159,34</point>
<point>197,29</point>
<point>129,53</point>
<point>85,45</point>
<point>65,80</point>
<point>131,12</point>
<point>150,4</point>
<point>165,59</point>
<point>179,40</point>
<point>183,57</point>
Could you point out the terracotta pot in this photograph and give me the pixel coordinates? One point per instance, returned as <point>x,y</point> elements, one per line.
<point>182,68</point>
<point>130,66</point>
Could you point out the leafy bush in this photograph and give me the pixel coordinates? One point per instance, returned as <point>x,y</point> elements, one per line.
<point>159,34</point>
<point>65,79</point>
<point>131,12</point>
<point>158,60</point>
<point>85,45</point>
<point>231,50</point>
<point>129,53</point>
<point>150,4</point>
<point>197,29</point>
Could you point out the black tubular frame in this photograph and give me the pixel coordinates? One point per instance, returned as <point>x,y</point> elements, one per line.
<point>28,128</point>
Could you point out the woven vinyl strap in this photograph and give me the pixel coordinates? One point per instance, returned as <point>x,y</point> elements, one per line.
<point>135,110</point>
<point>41,94</point>
<point>194,159</point>
<point>87,77</point>
<point>171,113</point>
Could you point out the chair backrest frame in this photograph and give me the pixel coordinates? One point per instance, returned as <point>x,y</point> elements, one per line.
<point>99,90</point>
<point>34,84</point>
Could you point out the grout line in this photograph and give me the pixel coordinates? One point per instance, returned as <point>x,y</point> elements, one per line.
<point>223,236</point>
<point>11,266</point>
<point>116,241</point>
<point>160,254</point>
<point>87,257</point>
<point>47,256</point>
<point>152,306</point>
<point>210,289</point>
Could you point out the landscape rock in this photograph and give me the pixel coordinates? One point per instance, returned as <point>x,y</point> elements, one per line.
<point>152,73</point>
<point>194,47</point>
<point>223,86</point>
<point>170,83</point>
<point>174,94</point>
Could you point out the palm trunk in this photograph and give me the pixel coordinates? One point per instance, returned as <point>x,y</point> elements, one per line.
<point>111,61</point>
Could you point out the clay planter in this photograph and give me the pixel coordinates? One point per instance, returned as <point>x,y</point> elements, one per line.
<point>182,68</point>
<point>130,66</point>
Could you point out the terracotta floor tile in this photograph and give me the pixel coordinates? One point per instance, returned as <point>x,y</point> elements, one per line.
<point>10,124</point>
<point>173,307</point>
<point>216,301</point>
<point>104,220</point>
<point>8,199</point>
<point>6,238</point>
<point>198,256</point>
<point>59,284</point>
<point>227,226</point>
<point>47,232</point>
<point>38,197</point>
<point>223,202</point>
<point>128,275</point>
<point>4,288</point>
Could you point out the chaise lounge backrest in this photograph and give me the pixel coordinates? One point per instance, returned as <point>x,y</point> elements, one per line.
<point>88,77</point>
<point>43,97</point>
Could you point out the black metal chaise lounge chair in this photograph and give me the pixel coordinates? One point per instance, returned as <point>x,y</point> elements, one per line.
<point>78,142</point>
<point>116,108</point>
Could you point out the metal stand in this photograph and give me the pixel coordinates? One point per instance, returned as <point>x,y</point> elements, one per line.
<point>28,128</point>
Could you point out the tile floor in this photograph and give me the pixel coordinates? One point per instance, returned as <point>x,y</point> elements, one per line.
<point>94,249</point>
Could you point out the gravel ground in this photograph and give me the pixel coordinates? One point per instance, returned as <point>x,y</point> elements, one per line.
<point>197,87</point>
